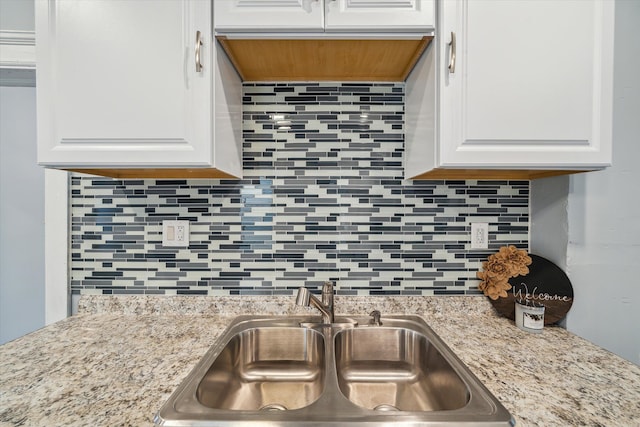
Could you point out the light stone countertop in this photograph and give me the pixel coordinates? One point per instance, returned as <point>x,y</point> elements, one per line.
<point>120,359</point>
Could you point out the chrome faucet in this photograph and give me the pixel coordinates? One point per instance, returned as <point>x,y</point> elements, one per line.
<point>325,306</point>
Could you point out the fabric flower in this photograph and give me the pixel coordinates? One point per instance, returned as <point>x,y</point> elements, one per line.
<point>496,268</point>
<point>515,260</point>
<point>508,262</point>
<point>495,289</point>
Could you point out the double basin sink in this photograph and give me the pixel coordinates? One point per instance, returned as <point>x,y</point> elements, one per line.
<point>292,371</point>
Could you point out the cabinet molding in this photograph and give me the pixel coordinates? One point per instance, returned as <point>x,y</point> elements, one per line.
<point>17,49</point>
<point>17,58</point>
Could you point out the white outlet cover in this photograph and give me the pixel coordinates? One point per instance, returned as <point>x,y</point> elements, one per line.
<point>175,234</point>
<point>479,235</point>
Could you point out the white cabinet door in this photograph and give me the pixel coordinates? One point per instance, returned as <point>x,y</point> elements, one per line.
<point>268,15</point>
<point>532,86</point>
<point>377,16</point>
<point>254,16</point>
<point>118,86</point>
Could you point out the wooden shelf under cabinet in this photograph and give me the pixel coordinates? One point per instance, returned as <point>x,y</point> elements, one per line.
<point>324,59</point>
<point>156,173</point>
<point>501,174</point>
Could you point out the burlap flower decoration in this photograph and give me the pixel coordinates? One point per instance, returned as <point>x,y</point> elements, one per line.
<point>508,262</point>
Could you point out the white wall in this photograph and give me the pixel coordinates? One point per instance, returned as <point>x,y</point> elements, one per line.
<point>22,291</point>
<point>549,228</point>
<point>604,214</point>
<point>600,215</point>
<point>17,15</point>
<point>22,182</point>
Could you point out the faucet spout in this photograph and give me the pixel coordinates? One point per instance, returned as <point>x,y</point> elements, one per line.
<point>306,298</point>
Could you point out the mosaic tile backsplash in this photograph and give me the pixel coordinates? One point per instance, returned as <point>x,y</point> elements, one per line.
<point>323,198</point>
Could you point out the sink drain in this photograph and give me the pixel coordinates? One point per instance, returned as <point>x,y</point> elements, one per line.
<point>385,407</point>
<point>273,407</point>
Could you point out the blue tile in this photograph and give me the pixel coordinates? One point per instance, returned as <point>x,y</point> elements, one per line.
<point>324,199</point>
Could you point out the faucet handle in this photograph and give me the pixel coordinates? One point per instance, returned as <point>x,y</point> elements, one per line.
<point>303,296</point>
<point>375,314</point>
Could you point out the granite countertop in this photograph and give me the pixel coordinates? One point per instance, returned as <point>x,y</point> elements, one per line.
<point>120,359</point>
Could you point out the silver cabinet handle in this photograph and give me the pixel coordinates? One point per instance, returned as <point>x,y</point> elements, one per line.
<point>452,53</point>
<point>198,45</point>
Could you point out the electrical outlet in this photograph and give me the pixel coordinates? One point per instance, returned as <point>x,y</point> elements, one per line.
<point>175,234</point>
<point>479,235</point>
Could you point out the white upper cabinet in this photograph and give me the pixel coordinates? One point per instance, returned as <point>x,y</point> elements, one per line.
<point>376,16</point>
<point>254,16</point>
<point>268,15</point>
<point>527,86</point>
<point>532,85</point>
<point>119,85</point>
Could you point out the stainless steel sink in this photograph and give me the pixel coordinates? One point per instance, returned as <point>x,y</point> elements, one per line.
<point>274,368</point>
<point>271,371</point>
<point>396,369</point>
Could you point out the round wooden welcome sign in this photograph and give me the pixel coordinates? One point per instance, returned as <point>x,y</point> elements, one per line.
<point>545,284</point>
